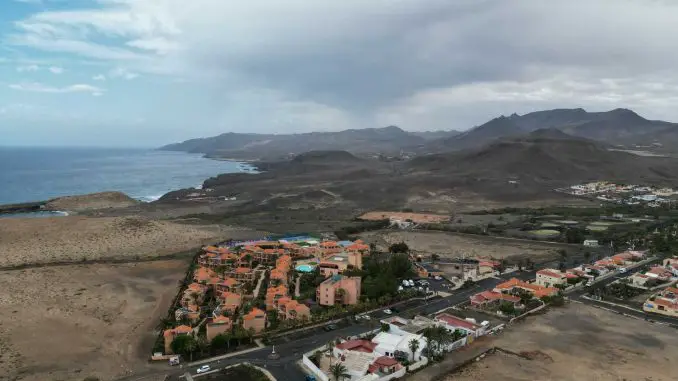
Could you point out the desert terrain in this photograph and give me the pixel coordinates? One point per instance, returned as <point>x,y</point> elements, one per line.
<point>452,245</point>
<point>70,322</point>
<point>27,241</point>
<point>579,343</point>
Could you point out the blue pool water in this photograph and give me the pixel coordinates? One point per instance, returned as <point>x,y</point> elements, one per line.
<point>305,268</point>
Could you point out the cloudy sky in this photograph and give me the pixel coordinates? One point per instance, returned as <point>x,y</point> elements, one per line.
<point>148,72</point>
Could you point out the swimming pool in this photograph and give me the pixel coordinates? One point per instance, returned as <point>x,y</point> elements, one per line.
<point>305,268</point>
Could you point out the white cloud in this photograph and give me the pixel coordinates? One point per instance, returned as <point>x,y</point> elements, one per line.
<point>27,68</point>
<point>122,73</point>
<point>421,64</point>
<point>56,69</point>
<point>41,88</point>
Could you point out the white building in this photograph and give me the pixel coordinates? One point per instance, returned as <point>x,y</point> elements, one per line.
<point>388,344</point>
<point>591,242</point>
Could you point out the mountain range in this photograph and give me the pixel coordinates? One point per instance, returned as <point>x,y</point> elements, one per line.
<point>620,127</point>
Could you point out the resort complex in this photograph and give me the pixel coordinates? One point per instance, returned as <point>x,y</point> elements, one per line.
<point>249,287</point>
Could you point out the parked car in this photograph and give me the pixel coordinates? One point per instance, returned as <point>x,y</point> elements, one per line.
<point>203,369</point>
<point>310,378</point>
<point>330,327</point>
<point>388,312</point>
<point>438,277</point>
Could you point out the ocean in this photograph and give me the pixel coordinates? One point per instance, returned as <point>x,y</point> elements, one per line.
<point>36,174</point>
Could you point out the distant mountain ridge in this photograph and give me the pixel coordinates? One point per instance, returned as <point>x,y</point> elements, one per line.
<point>618,126</point>
<point>389,139</point>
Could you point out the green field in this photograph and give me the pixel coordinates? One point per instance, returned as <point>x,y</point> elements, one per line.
<point>568,222</point>
<point>597,228</point>
<point>545,233</point>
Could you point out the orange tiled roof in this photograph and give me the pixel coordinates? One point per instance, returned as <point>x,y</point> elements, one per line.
<point>204,274</point>
<point>179,329</point>
<point>243,270</point>
<point>221,320</point>
<point>551,273</point>
<point>228,282</point>
<point>254,314</point>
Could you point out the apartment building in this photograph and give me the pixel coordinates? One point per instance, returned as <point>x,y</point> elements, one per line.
<point>337,263</point>
<point>218,325</point>
<point>338,289</point>
<point>230,301</point>
<point>273,294</point>
<point>291,309</point>
<point>255,319</point>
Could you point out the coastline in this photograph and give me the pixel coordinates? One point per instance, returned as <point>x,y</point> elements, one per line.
<point>40,208</point>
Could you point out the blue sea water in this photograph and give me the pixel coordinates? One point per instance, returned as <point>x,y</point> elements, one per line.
<point>36,174</point>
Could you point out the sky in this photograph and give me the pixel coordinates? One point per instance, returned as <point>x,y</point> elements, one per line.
<point>150,72</point>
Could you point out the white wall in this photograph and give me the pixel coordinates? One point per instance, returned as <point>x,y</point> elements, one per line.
<point>314,369</point>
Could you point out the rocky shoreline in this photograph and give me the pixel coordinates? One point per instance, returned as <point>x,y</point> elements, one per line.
<point>26,207</point>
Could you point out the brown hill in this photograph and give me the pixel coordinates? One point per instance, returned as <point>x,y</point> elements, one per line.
<point>548,158</point>
<point>618,126</point>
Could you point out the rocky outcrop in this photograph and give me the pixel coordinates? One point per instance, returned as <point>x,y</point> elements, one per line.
<point>93,201</point>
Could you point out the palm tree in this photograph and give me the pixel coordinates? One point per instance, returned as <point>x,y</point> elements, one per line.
<point>414,345</point>
<point>339,371</point>
<point>191,346</point>
<point>202,344</point>
<point>330,346</point>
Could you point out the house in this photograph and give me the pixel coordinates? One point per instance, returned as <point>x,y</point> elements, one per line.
<point>487,299</point>
<point>550,278</point>
<point>255,319</point>
<point>514,284</point>
<point>487,267</point>
<point>383,367</point>
<point>242,274</point>
<point>453,323</point>
<point>218,325</point>
<point>364,346</point>
<point>170,334</point>
<point>591,243</point>
<point>391,344</point>
<point>338,289</point>
<point>640,280</point>
<point>665,302</point>
<point>659,273</point>
<point>623,259</point>
<point>402,326</point>
<point>671,264</point>
<point>425,270</point>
